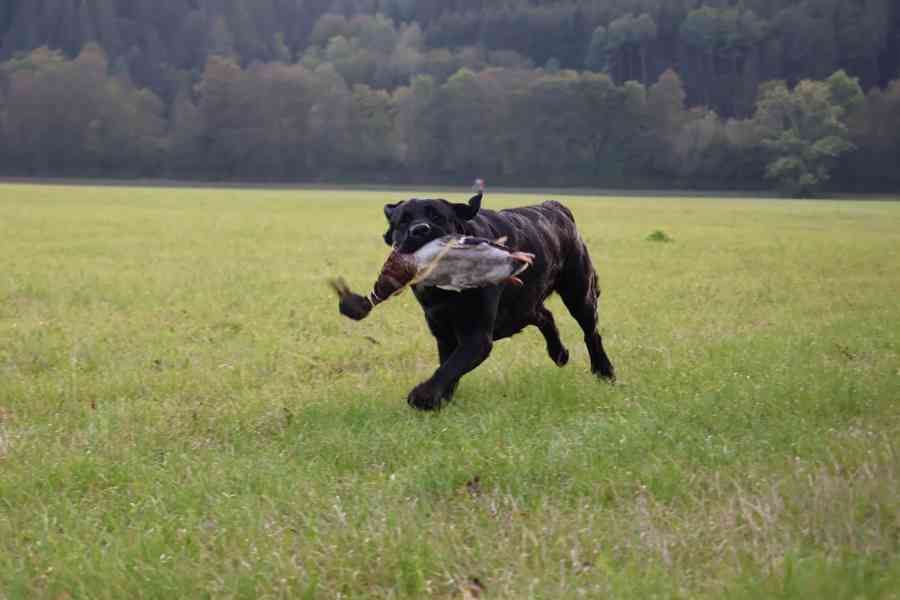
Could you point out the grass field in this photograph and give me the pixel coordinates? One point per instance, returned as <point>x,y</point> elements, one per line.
<point>184,414</point>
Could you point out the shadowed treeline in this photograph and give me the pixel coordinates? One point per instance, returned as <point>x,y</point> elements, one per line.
<point>781,93</point>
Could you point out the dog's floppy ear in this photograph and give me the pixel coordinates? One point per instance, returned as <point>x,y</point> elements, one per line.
<point>388,213</point>
<point>468,211</point>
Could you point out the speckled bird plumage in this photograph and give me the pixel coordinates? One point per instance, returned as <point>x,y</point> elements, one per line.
<point>463,262</point>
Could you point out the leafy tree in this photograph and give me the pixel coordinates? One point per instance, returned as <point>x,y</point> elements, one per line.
<point>416,122</point>
<point>328,26</point>
<point>406,58</point>
<point>605,126</point>
<point>69,116</point>
<point>722,40</point>
<point>845,92</point>
<point>665,102</point>
<point>224,110</point>
<point>622,48</point>
<point>465,117</point>
<point>372,131</point>
<point>185,139</point>
<point>807,38</point>
<point>375,33</point>
<point>328,121</point>
<point>804,131</point>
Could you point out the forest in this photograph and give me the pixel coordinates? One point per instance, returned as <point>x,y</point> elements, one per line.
<point>798,96</point>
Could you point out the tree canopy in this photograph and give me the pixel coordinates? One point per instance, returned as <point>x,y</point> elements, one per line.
<point>798,94</point>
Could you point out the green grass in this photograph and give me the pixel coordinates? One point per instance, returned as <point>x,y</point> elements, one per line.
<point>183,412</point>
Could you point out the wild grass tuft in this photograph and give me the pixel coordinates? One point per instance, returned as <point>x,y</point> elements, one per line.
<point>659,235</point>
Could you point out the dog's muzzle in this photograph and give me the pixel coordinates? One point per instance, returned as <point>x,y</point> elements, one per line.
<point>419,230</point>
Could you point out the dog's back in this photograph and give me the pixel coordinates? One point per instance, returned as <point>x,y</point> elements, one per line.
<point>561,263</point>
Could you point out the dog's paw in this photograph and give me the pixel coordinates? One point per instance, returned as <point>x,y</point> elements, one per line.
<point>424,397</point>
<point>605,373</point>
<point>562,358</point>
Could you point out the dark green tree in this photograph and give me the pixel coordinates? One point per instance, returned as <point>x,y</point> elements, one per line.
<point>804,130</point>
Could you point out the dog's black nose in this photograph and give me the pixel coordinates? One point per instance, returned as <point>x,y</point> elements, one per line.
<point>419,230</point>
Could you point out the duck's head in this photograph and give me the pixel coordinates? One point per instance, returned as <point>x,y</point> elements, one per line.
<point>415,222</point>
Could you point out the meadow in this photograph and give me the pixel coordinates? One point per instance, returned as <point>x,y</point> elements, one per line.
<point>184,413</point>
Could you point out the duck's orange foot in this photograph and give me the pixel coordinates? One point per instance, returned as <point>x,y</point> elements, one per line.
<point>525,257</point>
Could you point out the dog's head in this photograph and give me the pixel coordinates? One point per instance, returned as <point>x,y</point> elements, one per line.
<point>414,223</point>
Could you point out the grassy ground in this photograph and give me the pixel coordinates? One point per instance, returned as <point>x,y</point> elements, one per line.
<point>183,413</point>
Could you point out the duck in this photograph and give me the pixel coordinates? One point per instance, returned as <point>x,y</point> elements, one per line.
<point>456,263</point>
<point>453,263</point>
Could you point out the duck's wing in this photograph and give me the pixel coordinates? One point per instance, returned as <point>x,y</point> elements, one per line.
<point>443,246</point>
<point>471,241</point>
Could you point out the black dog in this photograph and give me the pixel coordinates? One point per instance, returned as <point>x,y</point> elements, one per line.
<point>466,323</point>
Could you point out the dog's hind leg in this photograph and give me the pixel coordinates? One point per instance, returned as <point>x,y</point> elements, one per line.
<point>544,321</point>
<point>579,291</point>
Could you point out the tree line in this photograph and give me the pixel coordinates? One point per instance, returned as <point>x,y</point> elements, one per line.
<point>625,93</point>
<point>722,49</point>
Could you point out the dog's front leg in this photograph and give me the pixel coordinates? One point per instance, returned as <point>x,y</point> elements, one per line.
<point>471,352</point>
<point>473,326</point>
<point>446,347</point>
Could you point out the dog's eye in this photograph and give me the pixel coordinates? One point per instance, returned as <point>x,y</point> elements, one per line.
<point>405,219</point>
<point>434,216</point>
